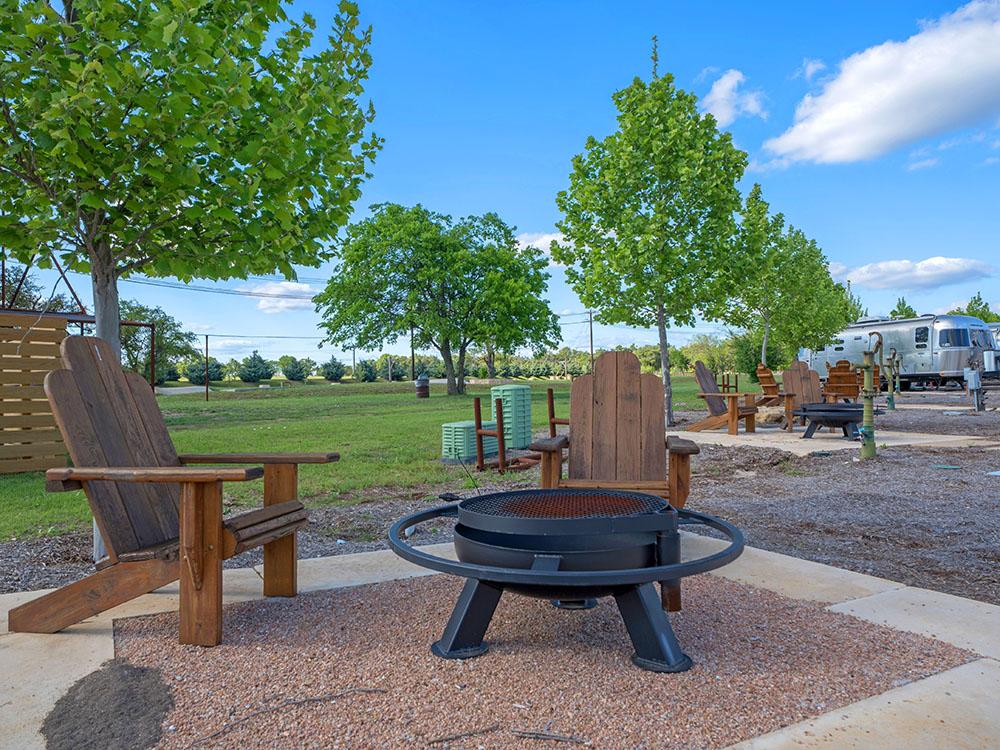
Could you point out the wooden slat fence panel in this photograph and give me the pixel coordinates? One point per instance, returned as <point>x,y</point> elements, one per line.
<point>29,348</point>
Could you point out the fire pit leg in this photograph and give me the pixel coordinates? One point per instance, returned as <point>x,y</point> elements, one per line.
<point>463,635</point>
<point>810,430</point>
<point>656,646</point>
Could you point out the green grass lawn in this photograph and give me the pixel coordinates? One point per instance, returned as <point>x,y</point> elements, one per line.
<point>386,437</point>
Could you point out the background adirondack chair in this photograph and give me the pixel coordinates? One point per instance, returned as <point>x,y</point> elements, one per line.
<point>617,440</point>
<point>775,395</point>
<point>724,409</point>
<point>160,519</point>
<point>841,382</point>
<point>804,384</point>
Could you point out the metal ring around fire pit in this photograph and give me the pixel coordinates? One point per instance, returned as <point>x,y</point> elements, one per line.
<point>568,578</point>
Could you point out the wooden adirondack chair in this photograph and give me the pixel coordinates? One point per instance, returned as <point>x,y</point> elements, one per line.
<point>160,519</point>
<point>617,440</point>
<point>841,382</point>
<point>724,409</point>
<point>775,395</point>
<point>804,384</point>
<point>617,435</point>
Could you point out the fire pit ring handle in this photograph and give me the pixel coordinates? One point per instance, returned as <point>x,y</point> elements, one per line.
<point>520,576</point>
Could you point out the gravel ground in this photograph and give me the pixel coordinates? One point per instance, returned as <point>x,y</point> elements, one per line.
<point>351,668</point>
<point>900,516</point>
<point>983,424</point>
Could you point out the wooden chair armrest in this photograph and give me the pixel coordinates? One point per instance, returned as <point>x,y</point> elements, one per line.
<point>258,458</point>
<point>729,394</point>
<point>550,445</point>
<point>682,446</point>
<point>162,474</point>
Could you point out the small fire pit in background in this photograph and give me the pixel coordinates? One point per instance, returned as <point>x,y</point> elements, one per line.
<point>845,416</point>
<point>569,545</point>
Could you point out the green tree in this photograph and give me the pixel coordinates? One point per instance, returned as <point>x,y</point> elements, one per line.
<point>903,309</point>
<point>172,341</point>
<point>333,370</point>
<point>195,371</point>
<point>856,309</point>
<point>780,285</point>
<point>295,369</point>
<point>715,353</point>
<point>977,308</point>
<point>255,368</point>
<point>24,292</point>
<point>452,283</point>
<point>366,372</point>
<point>648,213</point>
<point>185,139</point>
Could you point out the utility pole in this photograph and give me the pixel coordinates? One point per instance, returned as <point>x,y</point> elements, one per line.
<point>413,357</point>
<point>590,318</point>
<point>354,365</point>
<point>206,367</point>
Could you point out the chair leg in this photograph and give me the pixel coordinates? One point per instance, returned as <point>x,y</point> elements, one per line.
<point>201,563</point>
<point>734,416</point>
<point>94,594</point>
<point>281,484</point>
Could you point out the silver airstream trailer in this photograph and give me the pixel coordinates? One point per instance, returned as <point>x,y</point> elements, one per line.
<point>934,349</point>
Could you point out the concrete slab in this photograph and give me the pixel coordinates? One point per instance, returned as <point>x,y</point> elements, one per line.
<point>957,709</point>
<point>788,576</point>
<point>823,440</point>
<point>962,622</point>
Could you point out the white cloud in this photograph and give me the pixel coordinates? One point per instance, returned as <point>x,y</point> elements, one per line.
<point>929,273</point>
<point>923,164</point>
<point>541,241</point>
<point>227,344</point>
<point>990,160</point>
<point>809,68</point>
<point>837,270</point>
<point>726,102</point>
<point>942,78</point>
<point>287,295</point>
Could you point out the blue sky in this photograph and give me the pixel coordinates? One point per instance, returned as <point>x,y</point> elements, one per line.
<point>875,127</point>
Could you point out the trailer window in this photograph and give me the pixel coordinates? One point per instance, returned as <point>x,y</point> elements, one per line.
<point>981,338</point>
<point>920,337</point>
<point>954,337</point>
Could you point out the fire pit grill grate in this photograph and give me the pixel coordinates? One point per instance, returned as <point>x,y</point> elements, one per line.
<point>580,503</point>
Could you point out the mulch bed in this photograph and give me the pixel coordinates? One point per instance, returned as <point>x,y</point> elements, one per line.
<point>351,668</point>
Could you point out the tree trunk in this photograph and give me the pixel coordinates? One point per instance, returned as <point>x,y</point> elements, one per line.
<point>491,362</point>
<point>668,391</point>
<point>449,367</point>
<point>460,375</point>
<point>763,344</point>
<point>104,281</point>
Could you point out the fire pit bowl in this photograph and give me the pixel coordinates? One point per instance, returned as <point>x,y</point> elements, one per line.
<point>570,545</point>
<point>845,416</point>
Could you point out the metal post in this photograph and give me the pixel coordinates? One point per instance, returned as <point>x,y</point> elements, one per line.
<point>206,367</point>
<point>354,365</point>
<point>413,357</point>
<point>590,314</point>
<point>868,424</point>
<point>152,355</point>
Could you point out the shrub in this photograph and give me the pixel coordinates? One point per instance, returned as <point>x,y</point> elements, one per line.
<point>195,370</point>
<point>366,372</point>
<point>170,372</point>
<point>333,370</point>
<point>747,354</point>
<point>255,368</point>
<point>295,369</point>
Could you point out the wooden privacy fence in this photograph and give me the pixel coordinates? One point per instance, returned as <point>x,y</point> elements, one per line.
<point>29,349</point>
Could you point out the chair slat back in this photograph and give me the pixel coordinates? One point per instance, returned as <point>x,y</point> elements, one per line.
<point>617,427</point>
<point>768,385</point>
<point>706,384</point>
<point>110,418</point>
<point>841,380</point>
<point>791,381</point>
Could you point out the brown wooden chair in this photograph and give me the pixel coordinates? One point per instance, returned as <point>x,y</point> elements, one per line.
<point>160,519</point>
<point>841,382</point>
<point>724,409</point>
<point>775,395</point>
<point>617,435</point>
<point>803,384</point>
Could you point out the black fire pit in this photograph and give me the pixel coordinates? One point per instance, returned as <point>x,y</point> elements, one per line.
<point>845,416</point>
<point>570,546</point>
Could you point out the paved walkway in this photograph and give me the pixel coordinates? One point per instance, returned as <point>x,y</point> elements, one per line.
<point>824,440</point>
<point>958,708</point>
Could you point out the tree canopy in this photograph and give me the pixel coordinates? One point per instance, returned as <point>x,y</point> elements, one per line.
<point>978,308</point>
<point>452,283</point>
<point>648,214</point>
<point>903,309</point>
<point>778,283</point>
<point>173,343</point>
<point>183,139</point>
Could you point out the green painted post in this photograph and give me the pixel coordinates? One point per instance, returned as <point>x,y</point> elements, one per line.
<point>868,423</point>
